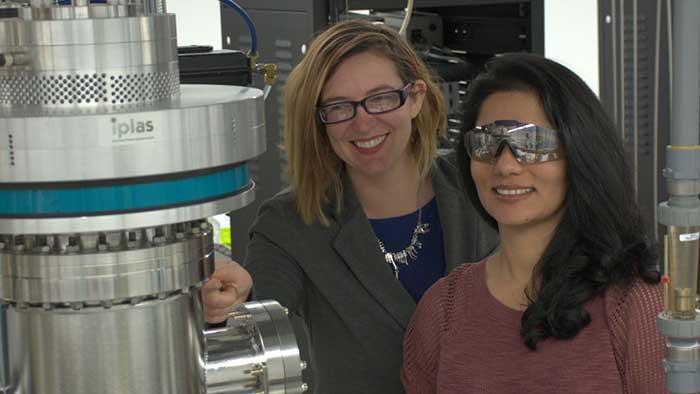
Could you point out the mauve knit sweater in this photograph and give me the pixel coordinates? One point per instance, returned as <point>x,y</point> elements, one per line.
<point>462,340</point>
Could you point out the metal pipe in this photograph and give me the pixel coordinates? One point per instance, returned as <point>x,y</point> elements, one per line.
<point>685,119</point>
<point>3,351</point>
<point>680,323</point>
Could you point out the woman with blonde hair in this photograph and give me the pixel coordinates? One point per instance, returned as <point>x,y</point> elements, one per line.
<point>373,216</point>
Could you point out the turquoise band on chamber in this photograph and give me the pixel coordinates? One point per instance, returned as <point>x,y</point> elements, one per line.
<point>116,198</point>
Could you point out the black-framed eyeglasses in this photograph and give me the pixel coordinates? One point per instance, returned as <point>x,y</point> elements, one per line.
<point>375,104</point>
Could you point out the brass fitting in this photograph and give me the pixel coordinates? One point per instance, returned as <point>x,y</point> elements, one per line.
<point>270,72</point>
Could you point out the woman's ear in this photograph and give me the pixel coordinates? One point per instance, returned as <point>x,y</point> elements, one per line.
<point>416,95</point>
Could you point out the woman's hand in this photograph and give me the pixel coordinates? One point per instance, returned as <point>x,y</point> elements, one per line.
<point>230,284</point>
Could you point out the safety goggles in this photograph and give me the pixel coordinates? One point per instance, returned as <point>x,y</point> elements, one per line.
<point>529,143</point>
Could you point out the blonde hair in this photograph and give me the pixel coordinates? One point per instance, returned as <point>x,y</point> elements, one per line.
<point>314,170</point>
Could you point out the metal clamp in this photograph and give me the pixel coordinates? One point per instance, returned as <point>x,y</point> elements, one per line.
<point>682,162</point>
<point>273,363</point>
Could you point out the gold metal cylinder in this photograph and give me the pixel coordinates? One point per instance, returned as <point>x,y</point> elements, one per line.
<point>682,251</point>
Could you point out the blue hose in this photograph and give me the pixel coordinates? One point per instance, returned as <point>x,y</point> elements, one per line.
<point>249,22</point>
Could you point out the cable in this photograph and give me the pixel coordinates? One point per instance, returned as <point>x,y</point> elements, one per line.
<point>623,80</point>
<point>614,62</point>
<point>655,132</point>
<point>249,22</point>
<point>406,19</point>
<point>635,94</point>
<point>444,56</point>
<point>669,30</point>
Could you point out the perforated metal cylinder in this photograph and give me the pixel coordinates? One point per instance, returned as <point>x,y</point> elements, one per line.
<point>88,57</point>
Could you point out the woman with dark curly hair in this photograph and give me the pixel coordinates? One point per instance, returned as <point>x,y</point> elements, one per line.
<point>569,302</point>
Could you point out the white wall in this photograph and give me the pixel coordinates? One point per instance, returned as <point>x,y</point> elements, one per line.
<point>198,22</point>
<point>571,37</point>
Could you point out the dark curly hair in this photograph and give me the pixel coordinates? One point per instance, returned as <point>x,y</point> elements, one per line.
<point>601,241</point>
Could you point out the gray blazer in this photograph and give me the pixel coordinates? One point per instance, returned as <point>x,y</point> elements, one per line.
<point>337,281</point>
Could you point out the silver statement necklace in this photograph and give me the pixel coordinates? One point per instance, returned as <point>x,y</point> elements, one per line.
<point>410,251</point>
